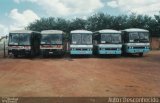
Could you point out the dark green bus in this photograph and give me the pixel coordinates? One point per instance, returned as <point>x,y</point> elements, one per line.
<point>24,43</point>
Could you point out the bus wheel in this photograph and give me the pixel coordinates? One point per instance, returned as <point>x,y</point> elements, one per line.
<point>140,54</point>
<point>119,55</point>
<point>16,56</point>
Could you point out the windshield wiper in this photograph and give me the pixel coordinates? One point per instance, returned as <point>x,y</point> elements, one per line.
<point>144,40</point>
<point>136,40</point>
<point>108,42</point>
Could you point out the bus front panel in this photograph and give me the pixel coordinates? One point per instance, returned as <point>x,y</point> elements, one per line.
<point>52,44</point>
<point>109,43</point>
<point>136,42</point>
<point>81,44</point>
<point>19,44</point>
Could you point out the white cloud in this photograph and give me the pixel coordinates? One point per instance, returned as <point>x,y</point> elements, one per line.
<point>17,1</point>
<point>67,7</point>
<point>3,30</point>
<point>21,20</point>
<point>18,20</point>
<point>149,7</point>
<point>112,4</point>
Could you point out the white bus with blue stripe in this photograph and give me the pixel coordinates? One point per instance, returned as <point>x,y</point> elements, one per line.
<point>81,42</point>
<point>136,41</point>
<point>108,42</point>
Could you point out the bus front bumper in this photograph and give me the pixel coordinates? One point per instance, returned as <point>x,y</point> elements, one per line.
<point>78,52</point>
<point>137,50</point>
<point>52,52</point>
<point>116,52</point>
<point>19,52</point>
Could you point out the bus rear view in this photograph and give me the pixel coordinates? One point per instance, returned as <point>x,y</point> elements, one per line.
<point>136,41</point>
<point>108,42</point>
<point>81,42</point>
<point>52,43</point>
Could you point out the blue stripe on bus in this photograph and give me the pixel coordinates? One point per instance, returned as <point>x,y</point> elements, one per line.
<point>84,52</point>
<point>110,52</point>
<point>137,50</point>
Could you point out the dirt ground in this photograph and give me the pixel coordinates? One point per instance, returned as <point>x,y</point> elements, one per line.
<point>81,77</point>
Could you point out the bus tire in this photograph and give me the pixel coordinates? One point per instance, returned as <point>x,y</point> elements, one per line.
<point>140,54</point>
<point>15,55</point>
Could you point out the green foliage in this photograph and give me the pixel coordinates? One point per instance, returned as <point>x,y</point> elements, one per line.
<point>99,21</point>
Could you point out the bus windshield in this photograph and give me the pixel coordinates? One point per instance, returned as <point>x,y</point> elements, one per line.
<point>51,39</point>
<point>110,38</point>
<point>139,37</point>
<point>82,39</point>
<point>144,37</point>
<point>133,37</point>
<point>19,39</point>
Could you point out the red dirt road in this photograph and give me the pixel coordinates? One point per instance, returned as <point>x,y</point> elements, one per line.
<point>78,77</point>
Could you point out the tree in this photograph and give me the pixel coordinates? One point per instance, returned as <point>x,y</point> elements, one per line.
<point>77,23</point>
<point>119,22</point>
<point>157,25</point>
<point>99,21</point>
<point>48,24</point>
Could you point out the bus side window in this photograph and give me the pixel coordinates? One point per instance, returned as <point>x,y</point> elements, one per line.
<point>96,37</point>
<point>125,37</point>
<point>64,37</point>
<point>99,38</point>
<point>70,38</point>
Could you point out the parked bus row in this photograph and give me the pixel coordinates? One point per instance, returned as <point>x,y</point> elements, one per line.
<point>82,42</point>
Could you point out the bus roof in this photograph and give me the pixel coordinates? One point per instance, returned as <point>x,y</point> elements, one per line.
<point>81,31</point>
<point>135,30</point>
<point>52,32</point>
<point>23,31</point>
<point>108,31</point>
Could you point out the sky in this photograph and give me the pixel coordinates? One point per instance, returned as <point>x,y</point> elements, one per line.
<point>17,14</point>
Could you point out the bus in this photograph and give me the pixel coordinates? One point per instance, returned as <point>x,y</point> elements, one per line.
<point>81,42</point>
<point>108,42</point>
<point>136,41</point>
<point>52,43</point>
<point>23,43</point>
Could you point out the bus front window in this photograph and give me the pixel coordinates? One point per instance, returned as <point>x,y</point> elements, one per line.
<point>24,39</point>
<point>51,39</point>
<point>144,37</point>
<point>82,39</point>
<point>86,38</point>
<point>111,38</point>
<point>106,38</point>
<point>116,38</point>
<point>13,39</point>
<point>133,37</point>
<point>76,38</point>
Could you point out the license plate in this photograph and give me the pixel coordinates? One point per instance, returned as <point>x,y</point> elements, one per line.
<point>139,50</point>
<point>50,52</point>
